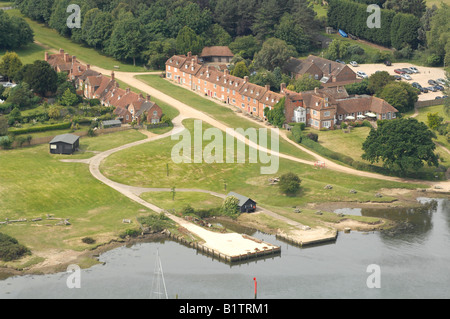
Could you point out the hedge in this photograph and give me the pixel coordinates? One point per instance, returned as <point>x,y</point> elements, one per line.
<point>43,128</point>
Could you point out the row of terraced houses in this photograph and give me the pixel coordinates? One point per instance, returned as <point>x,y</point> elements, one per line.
<point>128,106</point>
<point>320,108</point>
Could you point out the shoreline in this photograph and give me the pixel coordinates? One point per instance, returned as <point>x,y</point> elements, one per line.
<point>54,264</point>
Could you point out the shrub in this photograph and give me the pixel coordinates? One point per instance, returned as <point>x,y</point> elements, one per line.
<point>10,249</point>
<point>88,240</point>
<point>42,128</point>
<point>289,183</point>
<point>230,207</point>
<point>297,133</point>
<point>313,136</point>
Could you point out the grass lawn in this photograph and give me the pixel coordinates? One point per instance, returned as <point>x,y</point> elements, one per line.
<point>35,183</point>
<point>430,3</point>
<point>51,39</point>
<point>221,113</point>
<point>182,199</point>
<point>148,169</point>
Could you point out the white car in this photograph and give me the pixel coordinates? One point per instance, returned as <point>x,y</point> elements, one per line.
<point>9,85</point>
<point>406,77</point>
<point>413,69</point>
<point>362,74</point>
<point>441,82</point>
<point>353,63</point>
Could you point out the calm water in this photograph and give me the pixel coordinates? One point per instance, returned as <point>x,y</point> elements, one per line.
<point>414,264</point>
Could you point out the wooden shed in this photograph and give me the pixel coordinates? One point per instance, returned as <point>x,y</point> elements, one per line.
<point>64,144</point>
<point>246,205</point>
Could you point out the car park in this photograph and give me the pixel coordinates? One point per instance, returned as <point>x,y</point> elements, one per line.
<point>354,63</point>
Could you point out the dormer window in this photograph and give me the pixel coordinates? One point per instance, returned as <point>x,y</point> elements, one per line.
<point>317,103</point>
<point>251,91</point>
<point>267,98</point>
<point>186,66</point>
<point>217,78</point>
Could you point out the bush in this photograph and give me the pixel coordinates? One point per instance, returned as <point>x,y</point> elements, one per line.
<point>10,249</point>
<point>313,136</point>
<point>42,128</point>
<point>289,183</point>
<point>297,133</point>
<point>157,222</point>
<point>434,60</point>
<point>88,240</point>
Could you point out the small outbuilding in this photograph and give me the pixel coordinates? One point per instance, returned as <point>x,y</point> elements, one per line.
<point>217,54</point>
<point>64,144</point>
<point>246,205</point>
<point>110,123</point>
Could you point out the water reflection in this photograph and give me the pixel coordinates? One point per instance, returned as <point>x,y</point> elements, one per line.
<point>413,265</point>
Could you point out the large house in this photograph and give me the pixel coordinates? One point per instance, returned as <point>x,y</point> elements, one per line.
<point>319,108</point>
<point>221,54</point>
<point>129,106</point>
<point>329,73</point>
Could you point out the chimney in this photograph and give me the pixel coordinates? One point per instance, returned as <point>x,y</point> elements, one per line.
<point>148,97</point>
<point>282,87</point>
<point>267,87</point>
<point>329,68</point>
<point>66,57</point>
<point>189,54</point>
<point>316,90</point>
<point>245,79</point>
<point>88,66</point>
<point>226,72</point>
<point>128,90</point>
<point>61,51</point>
<point>46,56</point>
<point>112,76</point>
<point>74,59</point>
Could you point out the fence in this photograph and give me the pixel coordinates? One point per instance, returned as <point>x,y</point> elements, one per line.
<point>426,103</point>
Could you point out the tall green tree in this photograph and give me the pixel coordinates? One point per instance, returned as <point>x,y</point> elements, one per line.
<point>293,33</point>
<point>400,95</point>
<point>274,53</point>
<point>40,76</point>
<point>188,41</point>
<point>402,145</point>
<point>240,70</point>
<point>378,81</point>
<point>306,82</point>
<point>10,64</point>
<point>15,32</point>
<point>128,40</point>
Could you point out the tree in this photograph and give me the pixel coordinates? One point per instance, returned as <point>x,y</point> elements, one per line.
<point>15,32</point>
<point>10,64</point>
<point>400,95</point>
<point>305,82</point>
<point>276,116</point>
<point>274,53</point>
<point>293,33</point>
<point>3,125</point>
<point>188,41</point>
<point>40,76</point>
<point>289,184</point>
<point>20,96</point>
<point>434,120</point>
<point>230,206</point>
<point>267,15</point>
<point>402,144</point>
<point>68,98</point>
<point>378,81</point>
<point>415,7</point>
<point>245,46</point>
<point>127,40</point>
<point>240,70</point>
<point>337,50</point>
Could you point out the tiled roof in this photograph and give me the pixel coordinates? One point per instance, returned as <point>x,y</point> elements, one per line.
<point>222,51</point>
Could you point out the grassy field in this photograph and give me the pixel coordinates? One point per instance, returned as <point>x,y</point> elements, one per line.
<point>52,40</point>
<point>35,183</point>
<point>221,113</point>
<point>148,169</point>
<point>182,199</point>
<point>437,2</point>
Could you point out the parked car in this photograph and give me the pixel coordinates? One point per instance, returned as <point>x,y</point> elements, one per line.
<point>416,85</point>
<point>432,89</point>
<point>445,96</point>
<point>407,71</point>
<point>432,82</point>
<point>406,77</point>
<point>439,87</point>
<point>399,71</point>
<point>361,74</point>
<point>397,77</point>
<point>339,61</point>
<point>414,69</point>
<point>423,90</point>
<point>441,82</point>
<point>387,63</point>
<point>354,63</point>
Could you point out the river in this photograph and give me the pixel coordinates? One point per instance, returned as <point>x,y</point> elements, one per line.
<point>413,264</point>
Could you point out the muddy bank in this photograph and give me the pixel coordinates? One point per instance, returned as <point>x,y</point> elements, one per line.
<point>58,260</point>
